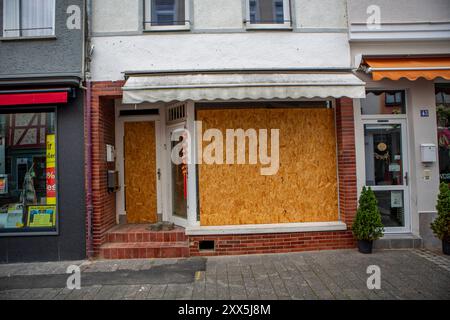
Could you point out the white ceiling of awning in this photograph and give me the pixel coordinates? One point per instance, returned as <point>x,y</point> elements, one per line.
<point>240,86</point>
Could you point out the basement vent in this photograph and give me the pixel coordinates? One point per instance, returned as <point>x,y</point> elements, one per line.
<point>176,113</point>
<point>206,245</point>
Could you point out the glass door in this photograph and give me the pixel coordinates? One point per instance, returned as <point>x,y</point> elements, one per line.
<point>178,176</point>
<point>386,165</point>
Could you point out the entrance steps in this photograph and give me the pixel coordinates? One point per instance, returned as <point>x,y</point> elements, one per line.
<point>137,242</point>
<point>398,241</point>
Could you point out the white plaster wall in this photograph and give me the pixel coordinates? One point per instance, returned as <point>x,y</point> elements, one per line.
<point>401,10</point>
<point>320,13</point>
<point>116,15</point>
<point>189,51</point>
<point>217,14</point>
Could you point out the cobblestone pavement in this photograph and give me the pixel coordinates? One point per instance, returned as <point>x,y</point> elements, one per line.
<point>405,274</point>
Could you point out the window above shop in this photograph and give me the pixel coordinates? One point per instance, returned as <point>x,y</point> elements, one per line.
<point>164,15</point>
<point>268,14</point>
<point>28,18</point>
<point>28,191</point>
<point>379,102</point>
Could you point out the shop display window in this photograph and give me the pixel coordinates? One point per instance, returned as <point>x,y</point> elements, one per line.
<point>443,125</point>
<point>28,190</point>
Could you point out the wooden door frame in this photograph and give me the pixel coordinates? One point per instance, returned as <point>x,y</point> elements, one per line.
<point>120,164</point>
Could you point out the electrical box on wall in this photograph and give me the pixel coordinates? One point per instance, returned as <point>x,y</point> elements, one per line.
<point>113,181</point>
<point>110,153</point>
<point>428,152</point>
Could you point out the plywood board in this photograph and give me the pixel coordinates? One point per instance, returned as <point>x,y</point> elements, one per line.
<point>140,172</point>
<point>303,190</point>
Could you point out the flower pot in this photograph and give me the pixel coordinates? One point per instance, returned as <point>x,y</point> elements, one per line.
<point>446,246</point>
<point>365,246</point>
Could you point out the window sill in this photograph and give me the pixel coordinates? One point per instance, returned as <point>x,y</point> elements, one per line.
<point>266,27</point>
<point>168,28</point>
<point>266,228</point>
<point>27,38</point>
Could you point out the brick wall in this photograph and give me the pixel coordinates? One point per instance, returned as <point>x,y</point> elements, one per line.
<point>103,132</point>
<point>273,243</point>
<point>345,127</point>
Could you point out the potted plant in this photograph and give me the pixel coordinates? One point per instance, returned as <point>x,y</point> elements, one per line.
<point>367,226</point>
<point>441,225</point>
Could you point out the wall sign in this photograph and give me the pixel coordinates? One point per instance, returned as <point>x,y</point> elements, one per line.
<point>424,113</point>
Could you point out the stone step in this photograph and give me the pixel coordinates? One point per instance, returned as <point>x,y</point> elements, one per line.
<point>142,235</point>
<point>144,250</point>
<point>399,241</point>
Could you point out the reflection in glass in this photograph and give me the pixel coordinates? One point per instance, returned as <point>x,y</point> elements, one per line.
<point>443,124</point>
<point>266,11</point>
<point>391,205</point>
<point>179,186</point>
<point>27,172</point>
<point>383,146</point>
<point>383,102</point>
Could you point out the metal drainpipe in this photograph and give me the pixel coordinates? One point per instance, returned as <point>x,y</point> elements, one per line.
<point>88,123</point>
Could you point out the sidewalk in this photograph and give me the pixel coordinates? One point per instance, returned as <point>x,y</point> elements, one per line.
<point>405,274</point>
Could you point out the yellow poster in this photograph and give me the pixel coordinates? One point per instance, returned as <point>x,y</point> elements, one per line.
<point>51,151</point>
<point>50,169</point>
<point>41,216</point>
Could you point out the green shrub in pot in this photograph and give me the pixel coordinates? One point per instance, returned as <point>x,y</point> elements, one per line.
<point>441,225</point>
<point>367,226</point>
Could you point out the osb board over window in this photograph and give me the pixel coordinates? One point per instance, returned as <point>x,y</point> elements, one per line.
<point>140,172</point>
<point>303,190</point>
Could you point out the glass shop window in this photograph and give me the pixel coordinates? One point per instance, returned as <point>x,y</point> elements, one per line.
<point>383,102</point>
<point>28,189</point>
<point>443,125</point>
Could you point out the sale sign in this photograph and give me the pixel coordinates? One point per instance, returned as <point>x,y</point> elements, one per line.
<point>51,169</point>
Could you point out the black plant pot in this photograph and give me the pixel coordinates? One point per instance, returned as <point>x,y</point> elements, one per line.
<point>365,246</point>
<point>446,246</point>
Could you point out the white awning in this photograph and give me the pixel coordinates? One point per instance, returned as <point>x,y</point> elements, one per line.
<point>169,87</point>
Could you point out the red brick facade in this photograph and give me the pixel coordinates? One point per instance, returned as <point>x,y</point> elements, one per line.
<point>273,243</point>
<point>103,132</point>
<point>104,215</point>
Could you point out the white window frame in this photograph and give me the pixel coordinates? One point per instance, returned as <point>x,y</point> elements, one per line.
<point>148,18</point>
<point>286,12</point>
<point>20,31</point>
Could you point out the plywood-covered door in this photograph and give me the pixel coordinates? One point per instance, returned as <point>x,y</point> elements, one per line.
<point>140,172</point>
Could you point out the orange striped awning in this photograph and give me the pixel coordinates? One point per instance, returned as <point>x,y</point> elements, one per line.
<point>409,68</point>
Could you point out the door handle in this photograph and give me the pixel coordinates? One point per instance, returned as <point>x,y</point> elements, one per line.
<point>159,174</point>
<point>406,178</point>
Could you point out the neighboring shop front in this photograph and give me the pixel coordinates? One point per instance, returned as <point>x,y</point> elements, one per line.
<point>41,172</point>
<point>401,140</point>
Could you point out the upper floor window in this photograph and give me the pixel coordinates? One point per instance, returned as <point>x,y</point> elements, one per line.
<point>268,13</point>
<point>166,14</point>
<point>28,18</point>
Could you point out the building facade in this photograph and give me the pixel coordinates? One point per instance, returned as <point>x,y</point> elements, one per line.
<point>404,59</point>
<point>164,70</point>
<point>42,215</point>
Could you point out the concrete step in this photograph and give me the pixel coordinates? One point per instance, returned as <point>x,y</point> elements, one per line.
<point>399,241</point>
<point>144,250</point>
<point>120,235</point>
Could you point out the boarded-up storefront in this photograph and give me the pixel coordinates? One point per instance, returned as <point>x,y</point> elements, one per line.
<point>303,190</point>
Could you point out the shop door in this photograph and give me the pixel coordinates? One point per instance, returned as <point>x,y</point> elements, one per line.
<point>386,161</point>
<point>140,172</point>
<point>178,178</point>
